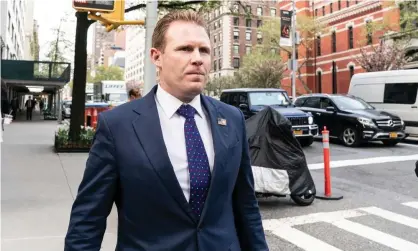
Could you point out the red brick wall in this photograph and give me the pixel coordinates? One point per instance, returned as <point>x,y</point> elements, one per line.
<point>377,11</point>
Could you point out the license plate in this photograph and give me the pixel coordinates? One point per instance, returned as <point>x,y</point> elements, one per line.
<point>393,135</point>
<point>298,132</point>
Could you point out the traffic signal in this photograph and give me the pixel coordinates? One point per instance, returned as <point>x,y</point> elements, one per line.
<point>110,13</point>
<point>106,6</point>
<point>118,13</point>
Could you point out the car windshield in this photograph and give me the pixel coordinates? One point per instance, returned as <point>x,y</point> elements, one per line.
<point>350,103</point>
<point>269,98</point>
<point>67,105</point>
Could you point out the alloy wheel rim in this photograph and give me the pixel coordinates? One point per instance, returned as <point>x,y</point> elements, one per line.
<point>349,136</point>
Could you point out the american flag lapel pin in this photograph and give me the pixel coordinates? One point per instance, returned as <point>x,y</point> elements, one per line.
<point>221,121</point>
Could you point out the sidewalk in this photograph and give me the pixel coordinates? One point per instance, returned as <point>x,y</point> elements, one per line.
<point>38,187</point>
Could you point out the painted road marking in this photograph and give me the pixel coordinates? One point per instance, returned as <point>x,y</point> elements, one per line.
<point>398,218</point>
<point>375,235</point>
<point>366,161</point>
<point>413,204</point>
<point>311,218</point>
<point>283,228</point>
<point>303,240</point>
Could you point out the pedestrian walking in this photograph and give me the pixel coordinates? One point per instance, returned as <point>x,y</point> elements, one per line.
<point>175,162</point>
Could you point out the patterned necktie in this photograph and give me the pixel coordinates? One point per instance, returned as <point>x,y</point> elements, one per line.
<point>197,159</point>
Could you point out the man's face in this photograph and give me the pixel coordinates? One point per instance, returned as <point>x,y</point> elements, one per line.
<point>185,61</point>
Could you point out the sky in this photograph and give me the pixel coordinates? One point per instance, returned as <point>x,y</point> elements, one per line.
<point>48,13</point>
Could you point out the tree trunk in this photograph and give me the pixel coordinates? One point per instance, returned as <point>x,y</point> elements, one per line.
<point>80,76</point>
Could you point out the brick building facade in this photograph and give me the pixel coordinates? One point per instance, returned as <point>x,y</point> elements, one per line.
<point>233,36</point>
<point>340,44</point>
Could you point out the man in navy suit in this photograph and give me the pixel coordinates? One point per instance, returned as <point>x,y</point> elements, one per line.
<point>176,163</point>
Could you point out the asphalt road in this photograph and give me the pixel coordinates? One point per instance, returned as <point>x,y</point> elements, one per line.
<point>378,211</point>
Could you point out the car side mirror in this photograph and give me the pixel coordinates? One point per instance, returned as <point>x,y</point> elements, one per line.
<point>243,107</point>
<point>330,109</point>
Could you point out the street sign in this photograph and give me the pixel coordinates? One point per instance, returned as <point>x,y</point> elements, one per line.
<point>94,5</point>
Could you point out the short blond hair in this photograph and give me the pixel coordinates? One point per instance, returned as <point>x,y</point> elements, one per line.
<point>158,36</point>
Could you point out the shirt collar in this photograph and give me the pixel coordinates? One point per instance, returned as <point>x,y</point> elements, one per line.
<point>171,104</point>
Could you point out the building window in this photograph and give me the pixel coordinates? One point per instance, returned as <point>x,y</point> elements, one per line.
<point>369,35</point>
<point>236,21</point>
<point>259,11</point>
<point>348,3</point>
<point>316,12</point>
<point>259,23</point>
<point>235,63</point>
<point>330,8</point>
<point>319,74</point>
<point>248,23</point>
<point>247,50</point>
<point>351,68</point>
<point>272,12</point>
<point>323,10</point>
<point>214,65</point>
<point>220,63</point>
<point>248,8</point>
<point>350,38</point>
<point>248,36</point>
<point>339,4</point>
<point>318,45</point>
<point>236,35</point>
<point>236,49</point>
<point>334,41</point>
<point>214,38</point>
<point>259,37</point>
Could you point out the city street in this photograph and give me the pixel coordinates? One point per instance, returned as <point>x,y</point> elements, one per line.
<point>379,210</point>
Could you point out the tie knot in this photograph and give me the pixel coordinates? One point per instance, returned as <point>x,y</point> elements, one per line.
<point>186,111</point>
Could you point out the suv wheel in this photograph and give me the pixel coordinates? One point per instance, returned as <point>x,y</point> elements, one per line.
<point>350,137</point>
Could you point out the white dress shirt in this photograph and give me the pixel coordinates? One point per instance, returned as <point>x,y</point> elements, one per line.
<point>172,125</point>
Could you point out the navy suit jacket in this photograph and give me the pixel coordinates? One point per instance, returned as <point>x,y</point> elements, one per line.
<point>128,164</point>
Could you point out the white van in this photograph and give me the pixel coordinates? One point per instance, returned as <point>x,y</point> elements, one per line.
<point>392,91</point>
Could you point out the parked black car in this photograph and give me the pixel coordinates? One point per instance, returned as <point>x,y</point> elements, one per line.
<point>253,100</point>
<point>352,119</point>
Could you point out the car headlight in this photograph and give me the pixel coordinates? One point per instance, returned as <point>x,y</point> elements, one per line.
<point>67,110</point>
<point>366,122</point>
<point>310,120</point>
<point>402,122</point>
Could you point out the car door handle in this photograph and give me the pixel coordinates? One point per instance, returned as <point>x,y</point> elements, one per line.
<point>414,106</point>
<point>317,113</point>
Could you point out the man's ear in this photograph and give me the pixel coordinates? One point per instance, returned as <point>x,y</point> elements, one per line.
<point>156,57</point>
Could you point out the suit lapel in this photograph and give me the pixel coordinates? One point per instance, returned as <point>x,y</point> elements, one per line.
<point>148,130</point>
<point>219,135</point>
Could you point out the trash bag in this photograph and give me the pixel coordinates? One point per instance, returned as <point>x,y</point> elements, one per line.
<point>277,158</point>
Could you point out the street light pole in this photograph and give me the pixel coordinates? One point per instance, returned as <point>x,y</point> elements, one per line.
<point>293,34</point>
<point>150,22</point>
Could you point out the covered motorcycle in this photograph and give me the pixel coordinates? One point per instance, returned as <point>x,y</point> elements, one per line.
<point>278,161</point>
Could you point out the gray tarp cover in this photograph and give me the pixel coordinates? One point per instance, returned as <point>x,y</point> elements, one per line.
<point>273,146</point>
